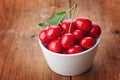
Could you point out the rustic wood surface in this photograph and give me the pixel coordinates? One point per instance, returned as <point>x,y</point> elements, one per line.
<point>20,54</point>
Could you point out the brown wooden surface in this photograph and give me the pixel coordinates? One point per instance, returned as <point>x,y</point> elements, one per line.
<point>20,55</point>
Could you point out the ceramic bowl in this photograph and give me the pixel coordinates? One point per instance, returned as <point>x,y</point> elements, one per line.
<point>69,64</point>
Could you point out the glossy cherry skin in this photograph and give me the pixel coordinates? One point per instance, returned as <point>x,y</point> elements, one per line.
<point>78,34</point>
<point>83,24</point>
<point>66,24</point>
<point>74,49</point>
<point>64,50</point>
<point>53,32</point>
<point>95,31</point>
<point>43,37</point>
<point>55,46</point>
<point>87,42</point>
<point>67,40</point>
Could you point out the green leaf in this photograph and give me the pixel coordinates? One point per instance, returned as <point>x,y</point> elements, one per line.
<point>43,24</point>
<point>57,18</point>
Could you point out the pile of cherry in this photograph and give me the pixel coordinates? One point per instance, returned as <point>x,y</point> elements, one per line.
<point>70,38</point>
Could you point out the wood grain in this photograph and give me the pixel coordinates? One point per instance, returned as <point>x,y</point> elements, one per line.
<point>20,55</point>
<point>107,61</point>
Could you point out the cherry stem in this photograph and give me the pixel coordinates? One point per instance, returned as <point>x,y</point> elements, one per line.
<point>74,7</point>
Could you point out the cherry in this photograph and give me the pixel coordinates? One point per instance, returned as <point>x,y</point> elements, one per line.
<point>53,32</point>
<point>55,45</point>
<point>66,24</point>
<point>64,50</point>
<point>67,40</point>
<point>74,49</point>
<point>43,37</point>
<point>60,40</point>
<point>78,34</point>
<point>83,24</point>
<point>96,31</point>
<point>87,42</point>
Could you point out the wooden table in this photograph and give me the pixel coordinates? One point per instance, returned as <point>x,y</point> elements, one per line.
<point>20,54</point>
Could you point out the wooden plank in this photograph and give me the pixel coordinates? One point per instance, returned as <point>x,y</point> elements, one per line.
<point>106,13</point>
<point>20,54</point>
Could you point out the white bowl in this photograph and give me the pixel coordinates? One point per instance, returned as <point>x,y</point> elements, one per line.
<point>70,64</point>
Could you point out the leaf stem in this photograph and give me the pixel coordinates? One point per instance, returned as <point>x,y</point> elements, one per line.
<point>74,7</point>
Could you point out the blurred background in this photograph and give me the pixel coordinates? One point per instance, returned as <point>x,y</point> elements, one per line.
<point>20,55</point>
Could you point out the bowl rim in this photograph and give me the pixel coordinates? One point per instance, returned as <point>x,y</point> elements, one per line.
<point>80,53</point>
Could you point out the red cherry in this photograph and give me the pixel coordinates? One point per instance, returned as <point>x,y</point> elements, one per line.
<point>53,32</point>
<point>78,34</point>
<point>64,50</point>
<point>43,37</point>
<point>66,24</point>
<point>67,40</point>
<point>83,24</point>
<point>96,31</point>
<point>87,42</point>
<point>74,49</point>
<point>55,45</point>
